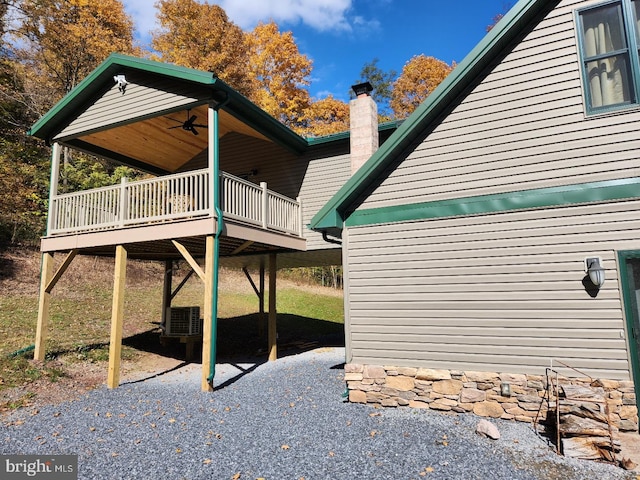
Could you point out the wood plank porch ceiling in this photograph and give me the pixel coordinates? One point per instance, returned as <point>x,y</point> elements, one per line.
<point>162,142</point>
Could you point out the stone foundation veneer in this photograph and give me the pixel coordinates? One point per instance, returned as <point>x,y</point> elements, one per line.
<point>479,392</point>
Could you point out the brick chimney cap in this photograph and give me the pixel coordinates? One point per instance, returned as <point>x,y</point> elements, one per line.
<point>362,89</point>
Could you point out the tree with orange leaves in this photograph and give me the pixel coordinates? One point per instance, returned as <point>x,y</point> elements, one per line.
<point>419,77</point>
<point>325,117</point>
<point>281,74</point>
<point>200,35</point>
<point>62,41</point>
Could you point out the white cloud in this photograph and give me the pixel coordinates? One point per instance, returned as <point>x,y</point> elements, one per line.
<point>143,13</point>
<point>322,15</point>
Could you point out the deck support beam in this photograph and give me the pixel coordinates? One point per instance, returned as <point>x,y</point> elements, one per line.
<point>61,269</point>
<point>273,336</point>
<point>42,327</point>
<point>190,260</point>
<point>117,315</point>
<point>259,291</point>
<point>205,385</point>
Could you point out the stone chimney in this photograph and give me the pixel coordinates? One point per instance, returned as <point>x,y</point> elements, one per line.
<point>363,124</point>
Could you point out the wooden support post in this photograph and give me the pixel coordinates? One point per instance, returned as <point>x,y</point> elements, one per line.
<point>273,340</point>
<point>117,314</point>
<point>166,290</point>
<point>261,315</point>
<point>205,386</point>
<point>43,307</point>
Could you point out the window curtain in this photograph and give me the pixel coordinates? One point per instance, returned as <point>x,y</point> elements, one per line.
<point>608,77</point>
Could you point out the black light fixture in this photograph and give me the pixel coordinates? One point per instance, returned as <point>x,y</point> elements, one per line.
<point>593,266</point>
<point>364,88</point>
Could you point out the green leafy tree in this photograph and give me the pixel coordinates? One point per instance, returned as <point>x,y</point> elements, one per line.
<point>23,166</point>
<point>382,83</point>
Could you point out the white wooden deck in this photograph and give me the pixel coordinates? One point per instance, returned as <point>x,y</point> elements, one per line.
<point>173,197</point>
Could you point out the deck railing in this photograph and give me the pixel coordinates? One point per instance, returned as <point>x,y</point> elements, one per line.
<point>172,197</point>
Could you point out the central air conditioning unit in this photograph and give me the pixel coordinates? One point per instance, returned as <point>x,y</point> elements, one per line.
<point>183,321</point>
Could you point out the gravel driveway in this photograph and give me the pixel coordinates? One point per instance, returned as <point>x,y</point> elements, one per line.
<point>280,420</point>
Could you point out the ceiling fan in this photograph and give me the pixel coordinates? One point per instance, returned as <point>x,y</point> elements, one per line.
<point>189,124</point>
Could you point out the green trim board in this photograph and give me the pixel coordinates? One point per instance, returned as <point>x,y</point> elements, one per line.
<point>391,125</point>
<point>467,73</point>
<point>101,79</point>
<point>611,190</point>
<point>629,301</point>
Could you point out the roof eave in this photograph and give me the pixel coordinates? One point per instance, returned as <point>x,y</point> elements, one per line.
<point>50,124</point>
<point>332,215</point>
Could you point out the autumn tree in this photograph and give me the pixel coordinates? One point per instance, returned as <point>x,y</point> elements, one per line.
<point>200,35</point>
<point>382,83</point>
<point>419,77</point>
<point>62,41</point>
<point>23,166</point>
<point>498,17</point>
<point>281,74</point>
<point>494,21</point>
<point>50,48</point>
<point>325,117</point>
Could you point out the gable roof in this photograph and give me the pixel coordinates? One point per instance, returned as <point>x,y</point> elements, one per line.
<point>67,109</point>
<point>331,216</point>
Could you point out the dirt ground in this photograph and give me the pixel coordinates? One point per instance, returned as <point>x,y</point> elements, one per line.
<point>81,377</point>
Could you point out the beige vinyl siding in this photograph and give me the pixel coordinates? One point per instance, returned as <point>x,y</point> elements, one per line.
<point>327,171</point>
<point>145,95</point>
<point>315,176</point>
<point>498,292</point>
<point>522,127</point>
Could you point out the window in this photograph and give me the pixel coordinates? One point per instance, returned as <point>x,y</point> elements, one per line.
<point>609,38</point>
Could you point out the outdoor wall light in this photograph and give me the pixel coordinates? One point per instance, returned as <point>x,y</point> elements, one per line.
<point>505,389</point>
<point>121,81</point>
<point>593,266</point>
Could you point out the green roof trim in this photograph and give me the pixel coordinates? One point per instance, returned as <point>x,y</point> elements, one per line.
<point>76,100</point>
<point>393,124</point>
<point>332,215</point>
<point>605,191</point>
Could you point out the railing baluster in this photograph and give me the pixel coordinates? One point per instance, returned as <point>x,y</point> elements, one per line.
<point>265,204</point>
<point>171,197</point>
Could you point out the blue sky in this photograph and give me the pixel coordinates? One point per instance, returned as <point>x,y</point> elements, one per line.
<point>340,36</point>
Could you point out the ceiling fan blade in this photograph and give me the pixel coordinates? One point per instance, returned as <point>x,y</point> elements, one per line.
<point>177,126</point>
<point>194,131</point>
<point>198,125</point>
<point>192,119</point>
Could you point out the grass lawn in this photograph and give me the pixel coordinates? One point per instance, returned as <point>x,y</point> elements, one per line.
<point>80,314</point>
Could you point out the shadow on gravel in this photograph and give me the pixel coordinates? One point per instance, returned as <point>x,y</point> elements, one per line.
<point>242,339</point>
<point>155,375</point>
